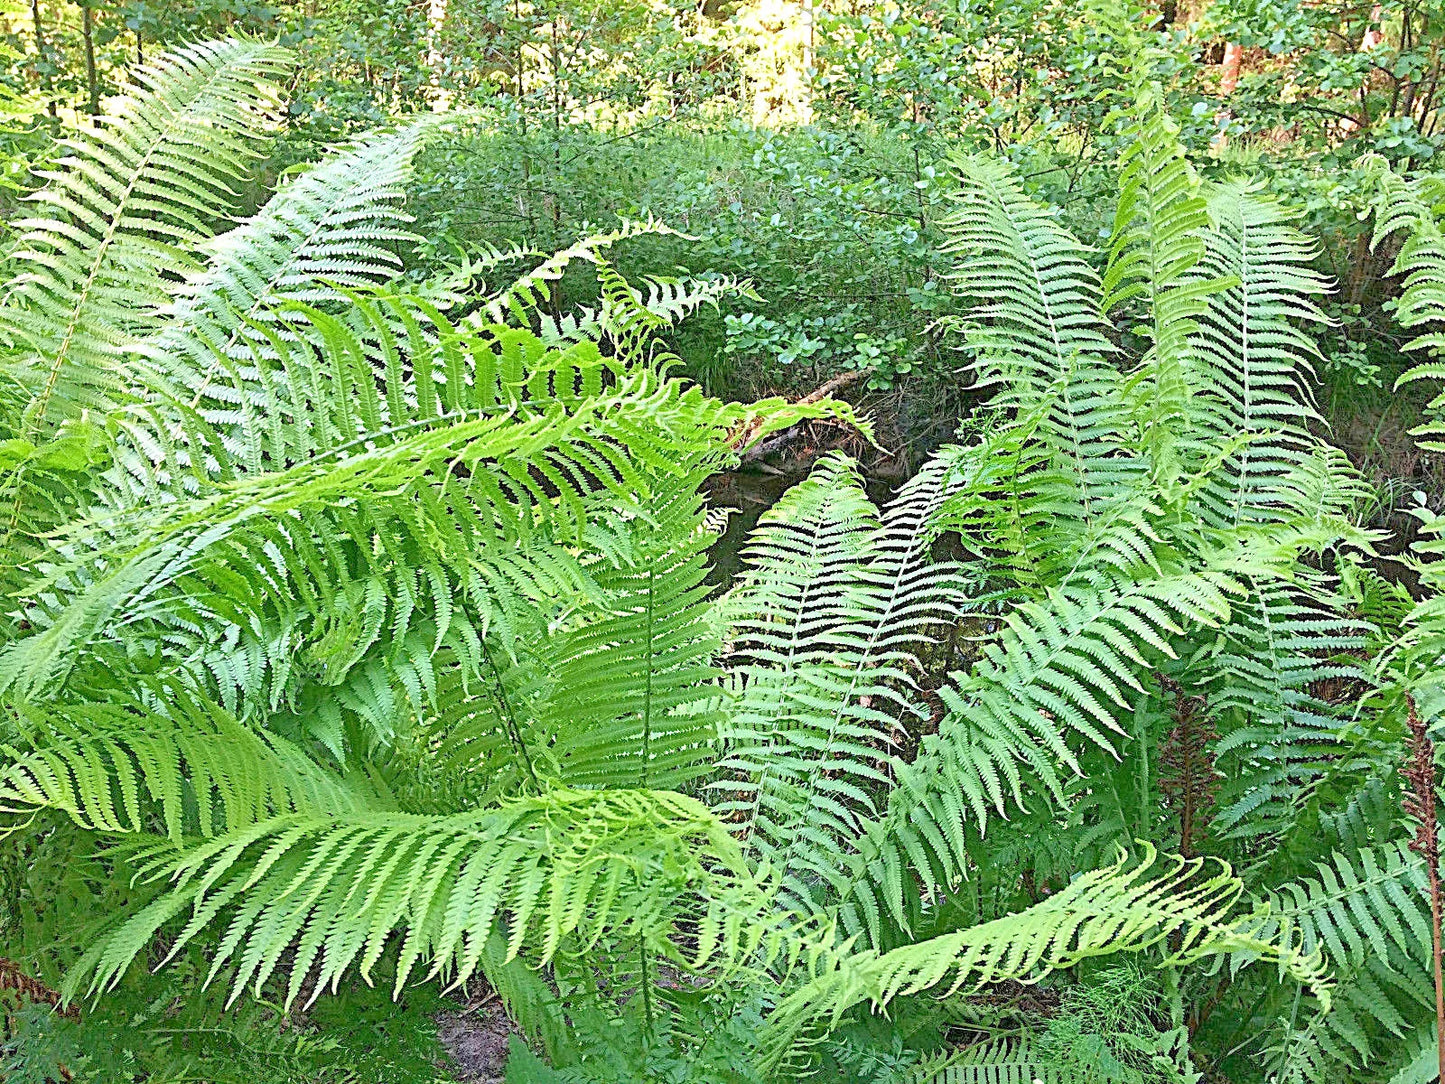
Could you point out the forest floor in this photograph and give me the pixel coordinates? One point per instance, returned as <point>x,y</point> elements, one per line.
<point>477,1039</point>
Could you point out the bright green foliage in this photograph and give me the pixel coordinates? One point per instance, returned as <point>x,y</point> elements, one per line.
<point>194,766</point>
<point>122,215</point>
<point>824,640</point>
<point>1415,662</point>
<point>328,228</point>
<point>1165,536</point>
<point>1409,206</point>
<point>125,210</point>
<point>372,640</point>
<point>1123,908</point>
<point>1371,916</point>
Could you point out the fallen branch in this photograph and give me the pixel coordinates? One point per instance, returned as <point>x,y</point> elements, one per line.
<point>781,440</point>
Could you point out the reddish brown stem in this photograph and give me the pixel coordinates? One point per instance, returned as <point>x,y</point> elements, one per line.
<point>1187,777</point>
<point>1419,803</point>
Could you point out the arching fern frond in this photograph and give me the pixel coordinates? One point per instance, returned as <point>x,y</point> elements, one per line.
<point>827,626</point>
<point>1157,242</point>
<point>333,226</point>
<point>278,531</point>
<point>529,293</point>
<point>1370,917</point>
<point>1034,317</point>
<point>1254,363</point>
<point>569,866</point>
<point>1412,206</point>
<point>629,316</point>
<point>125,212</point>
<point>118,768</point>
<point>1126,908</point>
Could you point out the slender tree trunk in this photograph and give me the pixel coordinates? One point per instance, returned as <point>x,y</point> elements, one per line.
<point>809,58</point>
<point>555,292</point>
<point>1373,34</point>
<point>436,17</point>
<point>1372,38</point>
<point>1419,803</point>
<point>521,56</point>
<point>42,50</point>
<point>92,83</point>
<point>556,89</point>
<point>1229,73</point>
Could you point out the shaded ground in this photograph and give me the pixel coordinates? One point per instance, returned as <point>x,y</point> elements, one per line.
<point>476,1038</point>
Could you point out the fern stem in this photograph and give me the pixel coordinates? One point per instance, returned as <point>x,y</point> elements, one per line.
<point>1419,774</point>
<point>513,730</point>
<point>646,982</point>
<point>647,688</point>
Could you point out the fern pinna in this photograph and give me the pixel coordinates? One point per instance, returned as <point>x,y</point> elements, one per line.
<point>361,626</point>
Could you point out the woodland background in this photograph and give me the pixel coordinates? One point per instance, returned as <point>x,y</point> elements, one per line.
<point>807,161</point>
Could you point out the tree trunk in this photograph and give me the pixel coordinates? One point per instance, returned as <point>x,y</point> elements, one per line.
<point>809,58</point>
<point>436,17</point>
<point>1373,34</point>
<point>1229,70</point>
<point>42,51</point>
<point>92,83</point>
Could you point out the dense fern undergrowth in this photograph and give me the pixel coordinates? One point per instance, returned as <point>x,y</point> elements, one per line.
<point>357,636</point>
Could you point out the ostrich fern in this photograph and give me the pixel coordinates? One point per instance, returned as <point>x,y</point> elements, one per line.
<point>374,639</point>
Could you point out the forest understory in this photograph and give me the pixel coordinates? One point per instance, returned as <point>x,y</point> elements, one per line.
<point>878,541</point>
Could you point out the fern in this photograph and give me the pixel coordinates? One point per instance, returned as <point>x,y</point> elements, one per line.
<point>127,209</point>
<point>108,767</point>
<point>1004,1061</point>
<point>1371,918</point>
<point>1037,325</point>
<point>125,212</point>
<point>630,676</point>
<point>561,866</point>
<point>1156,244</point>
<point>1252,393</point>
<point>1126,908</point>
<point>325,230</point>
<point>1409,206</point>
<point>374,625</point>
<point>829,622</point>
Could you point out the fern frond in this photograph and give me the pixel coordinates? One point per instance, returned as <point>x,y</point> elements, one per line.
<point>322,232</point>
<point>113,768</point>
<point>564,869</point>
<point>1157,242</point>
<point>1002,1061</point>
<point>1370,917</point>
<point>1034,301</point>
<point>1411,206</point>
<point>630,315</point>
<point>529,293</point>
<point>1126,908</point>
<point>1253,363</point>
<point>1278,739</point>
<point>263,541</point>
<point>630,675</point>
<point>125,212</point>
<point>827,624</point>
